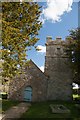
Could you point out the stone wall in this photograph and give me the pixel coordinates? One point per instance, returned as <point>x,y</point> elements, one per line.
<point>54,84</point>
<point>33,77</point>
<point>58,71</point>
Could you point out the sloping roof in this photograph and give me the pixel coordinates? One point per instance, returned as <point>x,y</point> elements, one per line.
<point>33,64</point>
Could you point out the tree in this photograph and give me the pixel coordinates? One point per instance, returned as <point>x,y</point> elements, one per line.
<point>74,53</point>
<point>20,26</point>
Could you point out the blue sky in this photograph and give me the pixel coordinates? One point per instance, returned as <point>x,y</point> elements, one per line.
<point>58,23</point>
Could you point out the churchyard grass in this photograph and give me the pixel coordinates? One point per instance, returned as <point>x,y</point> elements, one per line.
<point>42,110</point>
<point>6,104</point>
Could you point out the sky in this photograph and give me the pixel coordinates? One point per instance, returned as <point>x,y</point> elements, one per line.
<point>58,17</point>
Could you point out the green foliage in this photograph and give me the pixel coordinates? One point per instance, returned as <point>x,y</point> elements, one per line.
<point>20,26</point>
<point>74,53</point>
<point>6,104</point>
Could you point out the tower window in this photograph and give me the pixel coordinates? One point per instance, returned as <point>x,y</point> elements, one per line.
<point>58,51</point>
<point>58,48</point>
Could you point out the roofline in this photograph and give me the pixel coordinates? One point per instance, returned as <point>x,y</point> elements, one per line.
<point>38,68</point>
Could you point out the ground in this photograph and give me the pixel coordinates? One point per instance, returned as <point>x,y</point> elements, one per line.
<point>42,110</point>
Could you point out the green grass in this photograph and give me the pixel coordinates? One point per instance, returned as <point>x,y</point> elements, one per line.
<point>42,110</point>
<point>6,104</point>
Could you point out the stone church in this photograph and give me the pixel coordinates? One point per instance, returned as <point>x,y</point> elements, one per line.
<point>54,84</point>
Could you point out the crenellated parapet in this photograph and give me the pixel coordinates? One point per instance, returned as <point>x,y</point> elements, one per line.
<point>57,69</point>
<point>56,48</point>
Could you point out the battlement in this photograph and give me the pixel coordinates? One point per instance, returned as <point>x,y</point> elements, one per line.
<point>48,38</point>
<point>57,48</point>
<point>57,69</point>
<point>58,40</point>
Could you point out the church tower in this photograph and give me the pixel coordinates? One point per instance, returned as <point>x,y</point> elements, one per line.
<point>58,71</point>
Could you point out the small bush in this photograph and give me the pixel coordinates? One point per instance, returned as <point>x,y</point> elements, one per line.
<point>75,91</point>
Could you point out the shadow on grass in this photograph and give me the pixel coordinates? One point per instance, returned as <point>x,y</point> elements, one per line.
<point>6,104</point>
<point>42,110</point>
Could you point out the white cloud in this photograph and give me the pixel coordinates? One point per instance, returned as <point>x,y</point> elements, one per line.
<point>55,9</point>
<point>41,49</point>
<point>75,86</point>
<point>42,19</point>
<point>42,68</point>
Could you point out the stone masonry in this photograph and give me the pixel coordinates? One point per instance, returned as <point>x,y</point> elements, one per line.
<point>33,77</point>
<point>56,81</point>
<point>58,71</point>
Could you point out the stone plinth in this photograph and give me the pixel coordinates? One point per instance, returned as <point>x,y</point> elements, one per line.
<point>59,109</point>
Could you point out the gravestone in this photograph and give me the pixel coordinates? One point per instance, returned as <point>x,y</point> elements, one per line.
<point>59,109</point>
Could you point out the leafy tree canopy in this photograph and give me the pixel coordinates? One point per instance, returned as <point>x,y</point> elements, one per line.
<point>20,27</point>
<point>74,53</point>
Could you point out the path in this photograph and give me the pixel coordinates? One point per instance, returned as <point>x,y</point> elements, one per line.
<point>16,111</point>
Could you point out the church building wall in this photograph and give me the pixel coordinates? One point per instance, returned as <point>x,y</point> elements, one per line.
<point>56,81</point>
<point>58,71</point>
<point>34,78</point>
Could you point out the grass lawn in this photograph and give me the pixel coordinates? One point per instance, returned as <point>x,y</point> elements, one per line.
<point>6,104</point>
<point>42,110</point>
